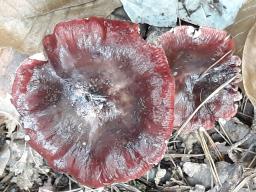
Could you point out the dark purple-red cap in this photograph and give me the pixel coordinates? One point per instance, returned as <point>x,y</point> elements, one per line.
<point>101,107</point>
<point>202,61</point>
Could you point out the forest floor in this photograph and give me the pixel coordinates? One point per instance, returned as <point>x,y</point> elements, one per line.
<point>221,159</point>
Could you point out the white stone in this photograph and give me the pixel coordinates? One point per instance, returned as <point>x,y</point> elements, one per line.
<point>164,13</point>
<point>205,13</point>
<point>158,13</point>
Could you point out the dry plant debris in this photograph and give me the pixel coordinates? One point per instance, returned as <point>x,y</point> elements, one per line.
<point>102,84</point>
<point>230,146</point>
<point>244,21</point>
<point>24,23</point>
<point>249,65</point>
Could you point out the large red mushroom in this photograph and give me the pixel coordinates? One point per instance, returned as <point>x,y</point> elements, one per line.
<point>101,107</point>
<point>202,61</point>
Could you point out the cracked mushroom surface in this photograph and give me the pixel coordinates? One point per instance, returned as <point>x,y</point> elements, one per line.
<point>202,60</point>
<point>101,107</point>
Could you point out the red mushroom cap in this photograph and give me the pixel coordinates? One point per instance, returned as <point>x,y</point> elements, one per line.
<point>101,108</point>
<point>201,60</point>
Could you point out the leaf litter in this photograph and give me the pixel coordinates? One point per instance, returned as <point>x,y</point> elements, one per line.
<point>23,24</point>
<point>229,155</point>
<point>244,21</point>
<point>249,65</point>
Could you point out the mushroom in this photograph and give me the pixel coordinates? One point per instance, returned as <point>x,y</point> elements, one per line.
<point>202,62</point>
<point>101,107</point>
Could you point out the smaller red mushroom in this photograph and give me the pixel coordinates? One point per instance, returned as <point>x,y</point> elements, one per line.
<point>101,107</point>
<point>201,61</point>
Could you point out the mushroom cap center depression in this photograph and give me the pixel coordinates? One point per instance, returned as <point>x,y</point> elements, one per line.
<point>103,100</point>
<point>101,108</point>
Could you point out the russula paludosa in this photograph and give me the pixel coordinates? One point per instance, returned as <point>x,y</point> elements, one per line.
<point>101,107</point>
<point>201,61</point>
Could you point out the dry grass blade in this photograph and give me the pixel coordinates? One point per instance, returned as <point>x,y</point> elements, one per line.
<point>200,135</point>
<point>202,104</point>
<point>127,187</point>
<point>226,138</point>
<point>212,144</point>
<point>252,162</point>
<point>114,188</point>
<point>74,190</point>
<point>243,182</point>
<point>177,188</point>
<point>235,145</point>
<point>216,63</point>
<point>183,155</point>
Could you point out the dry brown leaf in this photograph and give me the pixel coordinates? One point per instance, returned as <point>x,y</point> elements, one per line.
<point>23,23</point>
<point>249,65</point>
<point>244,21</point>
<point>9,61</point>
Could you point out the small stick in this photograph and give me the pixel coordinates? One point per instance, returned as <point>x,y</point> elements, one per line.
<point>183,155</point>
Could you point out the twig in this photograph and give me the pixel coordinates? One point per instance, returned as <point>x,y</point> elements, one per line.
<point>183,155</point>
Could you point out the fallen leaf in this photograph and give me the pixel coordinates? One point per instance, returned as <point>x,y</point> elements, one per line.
<point>23,23</point>
<point>9,61</point>
<point>249,65</point>
<point>244,21</point>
